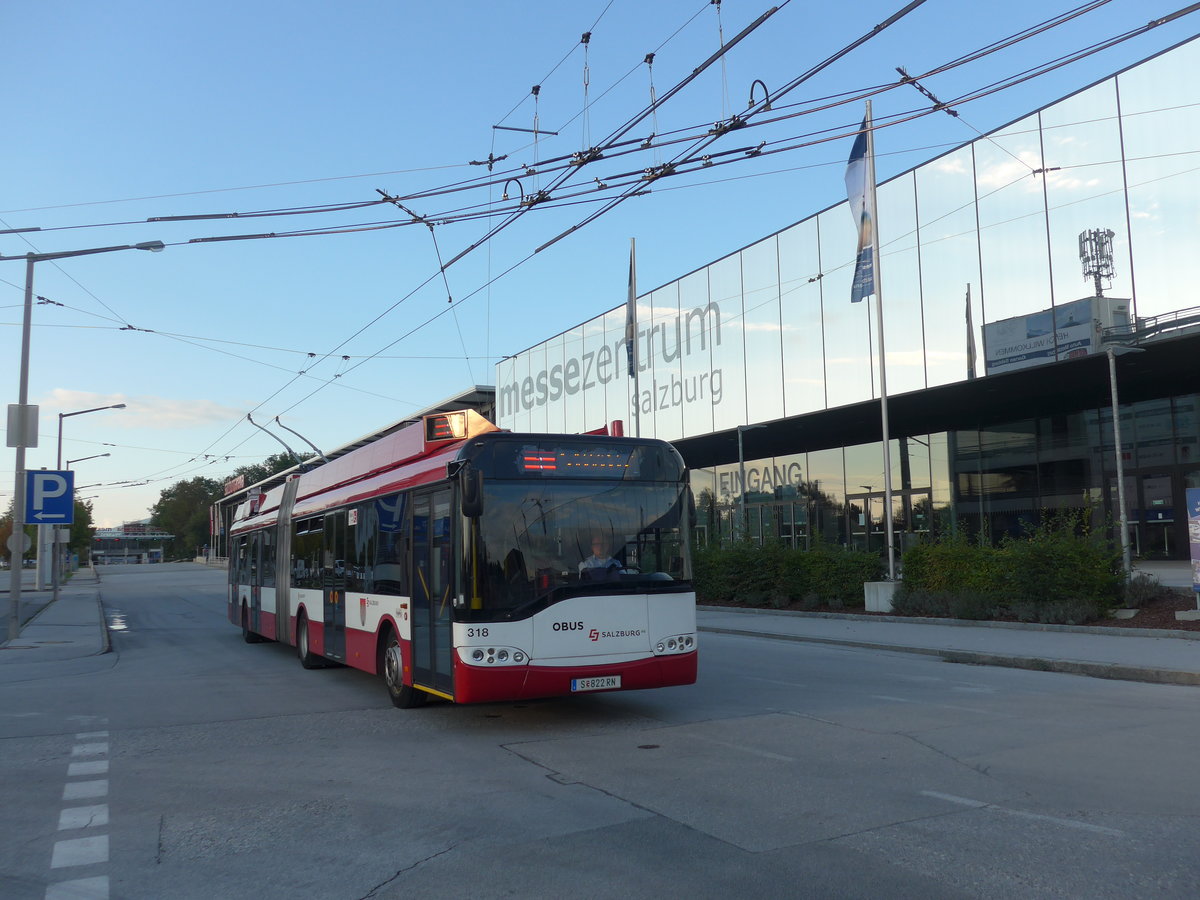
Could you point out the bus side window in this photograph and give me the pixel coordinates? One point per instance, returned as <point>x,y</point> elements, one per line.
<point>390,568</point>
<point>268,558</point>
<point>254,550</point>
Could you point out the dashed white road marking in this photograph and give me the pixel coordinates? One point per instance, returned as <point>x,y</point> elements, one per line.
<point>83,817</point>
<point>95,767</point>
<point>890,699</point>
<point>91,849</point>
<point>79,889</point>
<point>85,790</point>
<point>97,749</point>
<point>85,851</point>
<point>1054,820</point>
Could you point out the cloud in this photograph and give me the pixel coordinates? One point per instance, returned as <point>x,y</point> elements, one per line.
<point>142,411</point>
<point>951,166</point>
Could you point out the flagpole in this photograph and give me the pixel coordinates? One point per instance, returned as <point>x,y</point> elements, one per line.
<point>970,338</point>
<point>631,337</point>
<point>883,394</point>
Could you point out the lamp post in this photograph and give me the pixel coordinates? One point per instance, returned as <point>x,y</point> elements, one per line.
<point>62,416</point>
<point>1112,353</point>
<point>55,559</point>
<point>83,458</point>
<point>27,430</point>
<point>742,523</point>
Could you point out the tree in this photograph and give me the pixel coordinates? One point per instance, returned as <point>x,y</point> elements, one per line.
<point>272,465</point>
<point>183,510</point>
<point>82,531</point>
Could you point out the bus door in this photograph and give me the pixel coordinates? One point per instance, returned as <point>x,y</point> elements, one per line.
<point>254,574</point>
<point>333,585</point>
<point>433,554</point>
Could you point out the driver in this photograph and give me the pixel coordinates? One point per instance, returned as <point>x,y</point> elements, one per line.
<point>600,565</point>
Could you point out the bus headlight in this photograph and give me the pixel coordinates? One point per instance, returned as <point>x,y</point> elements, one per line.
<point>676,643</point>
<point>493,656</point>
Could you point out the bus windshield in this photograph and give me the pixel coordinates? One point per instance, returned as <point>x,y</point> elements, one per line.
<point>541,540</point>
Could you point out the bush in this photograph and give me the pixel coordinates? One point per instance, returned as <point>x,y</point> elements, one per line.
<point>1063,560</point>
<point>1057,612</point>
<point>906,602</point>
<point>1144,589</point>
<point>778,576</point>
<point>1056,572</point>
<point>953,565</point>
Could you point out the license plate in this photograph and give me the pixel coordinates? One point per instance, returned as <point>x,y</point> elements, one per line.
<point>603,683</point>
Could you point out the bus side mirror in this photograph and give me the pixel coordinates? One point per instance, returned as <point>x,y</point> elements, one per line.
<point>470,481</point>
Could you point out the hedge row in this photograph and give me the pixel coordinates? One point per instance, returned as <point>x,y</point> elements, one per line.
<point>1059,571</point>
<point>778,576</point>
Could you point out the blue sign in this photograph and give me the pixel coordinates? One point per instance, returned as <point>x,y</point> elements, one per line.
<point>1193,506</point>
<point>49,497</point>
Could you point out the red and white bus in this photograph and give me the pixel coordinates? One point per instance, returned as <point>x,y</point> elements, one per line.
<point>464,562</point>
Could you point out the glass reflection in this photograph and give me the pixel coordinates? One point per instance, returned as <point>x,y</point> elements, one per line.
<point>1012,215</point>
<point>764,357</point>
<point>801,317</point>
<point>723,328</point>
<point>900,272</point>
<point>696,360</point>
<point>849,327</point>
<point>949,267</point>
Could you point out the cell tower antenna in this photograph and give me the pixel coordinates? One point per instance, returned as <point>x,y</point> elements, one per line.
<point>1096,255</point>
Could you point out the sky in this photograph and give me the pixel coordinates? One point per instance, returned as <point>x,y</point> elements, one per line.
<point>128,111</point>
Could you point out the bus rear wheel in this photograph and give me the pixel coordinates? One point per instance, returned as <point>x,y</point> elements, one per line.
<point>308,659</point>
<point>391,666</point>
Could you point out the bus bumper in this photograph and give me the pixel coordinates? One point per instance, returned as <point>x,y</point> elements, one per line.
<point>475,684</point>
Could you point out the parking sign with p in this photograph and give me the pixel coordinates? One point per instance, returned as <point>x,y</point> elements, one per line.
<point>49,497</point>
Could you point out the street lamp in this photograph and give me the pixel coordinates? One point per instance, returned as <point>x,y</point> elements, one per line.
<point>62,416</point>
<point>742,523</point>
<point>1112,353</point>
<point>27,430</point>
<point>55,557</point>
<point>83,458</point>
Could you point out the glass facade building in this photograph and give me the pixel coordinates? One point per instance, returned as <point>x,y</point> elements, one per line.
<point>762,352</point>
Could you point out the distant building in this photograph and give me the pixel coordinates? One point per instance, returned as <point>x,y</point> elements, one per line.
<point>129,544</point>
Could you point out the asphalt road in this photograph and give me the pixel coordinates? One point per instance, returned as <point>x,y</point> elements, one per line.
<point>789,769</point>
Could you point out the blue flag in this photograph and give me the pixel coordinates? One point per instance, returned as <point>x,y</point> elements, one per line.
<point>861,194</point>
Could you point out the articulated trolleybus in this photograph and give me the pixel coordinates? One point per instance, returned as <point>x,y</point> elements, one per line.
<point>459,561</point>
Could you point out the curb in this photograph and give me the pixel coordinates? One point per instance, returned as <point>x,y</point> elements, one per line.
<point>1114,630</point>
<point>105,640</point>
<point>1112,671</point>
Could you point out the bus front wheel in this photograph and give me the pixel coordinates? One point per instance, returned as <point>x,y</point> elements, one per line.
<point>391,666</point>
<point>308,659</point>
<point>247,635</point>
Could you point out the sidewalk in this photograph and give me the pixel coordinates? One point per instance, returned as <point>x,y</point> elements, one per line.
<point>70,628</point>
<point>1128,654</point>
